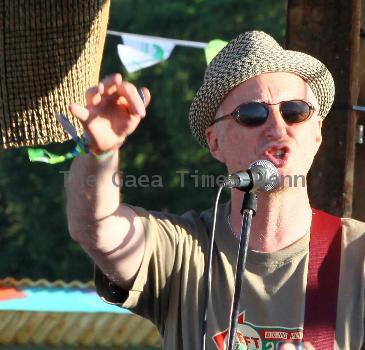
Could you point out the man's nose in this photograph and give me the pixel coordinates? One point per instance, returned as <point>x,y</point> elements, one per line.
<point>275,126</point>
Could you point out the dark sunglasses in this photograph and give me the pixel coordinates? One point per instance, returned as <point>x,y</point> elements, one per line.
<point>256,113</point>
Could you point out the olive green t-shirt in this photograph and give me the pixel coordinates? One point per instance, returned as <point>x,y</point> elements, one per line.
<point>168,289</point>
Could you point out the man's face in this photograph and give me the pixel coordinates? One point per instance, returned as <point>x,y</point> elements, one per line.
<point>290,147</point>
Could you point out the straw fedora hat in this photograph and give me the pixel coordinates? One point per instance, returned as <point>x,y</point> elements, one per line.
<point>51,52</point>
<point>250,54</point>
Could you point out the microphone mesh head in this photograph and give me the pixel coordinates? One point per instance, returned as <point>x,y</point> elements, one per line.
<point>270,180</point>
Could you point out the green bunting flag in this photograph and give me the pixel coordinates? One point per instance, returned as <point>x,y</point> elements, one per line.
<point>212,49</point>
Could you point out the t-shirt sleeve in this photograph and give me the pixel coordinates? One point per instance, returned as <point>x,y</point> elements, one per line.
<point>173,250</point>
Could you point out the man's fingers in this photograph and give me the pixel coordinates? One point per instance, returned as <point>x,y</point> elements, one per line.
<point>93,96</point>
<point>79,112</point>
<point>110,83</point>
<point>114,84</point>
<point>113,90</point>
<point>134,100</point>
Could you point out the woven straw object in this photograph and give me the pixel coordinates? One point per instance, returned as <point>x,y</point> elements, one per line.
<point>250,54</point>
<point>51,52</point>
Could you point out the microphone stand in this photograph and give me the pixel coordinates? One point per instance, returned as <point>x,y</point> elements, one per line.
<point>248,210</point>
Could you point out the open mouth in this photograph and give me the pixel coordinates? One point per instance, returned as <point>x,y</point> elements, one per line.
<point>277,155</point>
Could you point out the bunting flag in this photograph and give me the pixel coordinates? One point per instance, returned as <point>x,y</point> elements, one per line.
<point>134,60</point>
<point>212,49</point>
<point>142,51</point>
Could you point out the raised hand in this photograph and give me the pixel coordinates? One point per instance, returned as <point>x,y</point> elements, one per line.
<point>113,111</point>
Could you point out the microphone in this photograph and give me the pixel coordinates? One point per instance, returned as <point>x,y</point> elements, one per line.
<point>261,175</point>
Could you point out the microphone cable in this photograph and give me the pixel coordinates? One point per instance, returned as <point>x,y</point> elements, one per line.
<point>208,269</point>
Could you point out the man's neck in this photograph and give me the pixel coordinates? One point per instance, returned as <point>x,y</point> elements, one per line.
<point>282,218</point>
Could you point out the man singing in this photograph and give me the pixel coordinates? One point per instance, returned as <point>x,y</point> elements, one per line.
<point>257,101</point>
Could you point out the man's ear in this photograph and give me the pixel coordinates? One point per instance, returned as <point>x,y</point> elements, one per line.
<point>213,143</point>
<point>319,132</point>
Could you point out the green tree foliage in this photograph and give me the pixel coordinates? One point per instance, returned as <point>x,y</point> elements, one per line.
<point>34,241</point>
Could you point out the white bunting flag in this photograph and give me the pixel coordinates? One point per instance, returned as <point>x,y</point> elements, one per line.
<point>141,51</point>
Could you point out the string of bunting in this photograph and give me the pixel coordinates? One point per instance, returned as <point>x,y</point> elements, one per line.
<point>137,52</point>
<point>142,51</point>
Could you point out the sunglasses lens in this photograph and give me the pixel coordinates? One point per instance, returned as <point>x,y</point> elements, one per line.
<point>295,111</point>
<point>252,114</point>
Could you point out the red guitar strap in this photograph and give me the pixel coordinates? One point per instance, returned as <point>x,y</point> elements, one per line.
<point>323,279</point>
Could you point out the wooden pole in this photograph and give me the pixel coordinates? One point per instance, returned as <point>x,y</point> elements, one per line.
<point>330,31</point>
<point>359,181</point>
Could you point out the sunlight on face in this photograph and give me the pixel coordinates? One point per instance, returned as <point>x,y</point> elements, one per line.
<point>291,147</point>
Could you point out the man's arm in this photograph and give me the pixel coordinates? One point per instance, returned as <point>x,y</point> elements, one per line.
<point>111,233</point>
